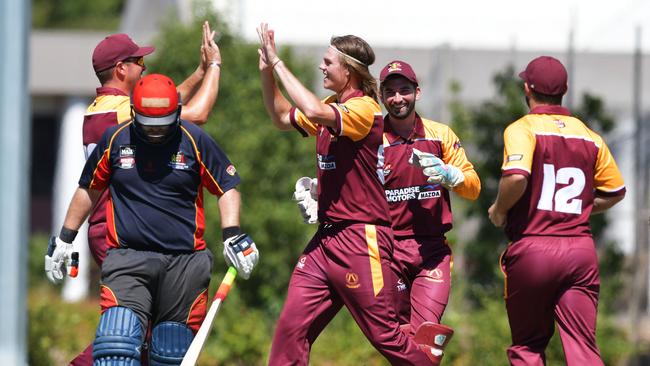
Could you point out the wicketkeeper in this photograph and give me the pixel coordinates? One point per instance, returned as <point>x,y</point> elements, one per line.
<point>157,272</point>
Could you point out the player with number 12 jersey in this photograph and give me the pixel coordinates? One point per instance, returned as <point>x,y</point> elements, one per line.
<point>566,163</point>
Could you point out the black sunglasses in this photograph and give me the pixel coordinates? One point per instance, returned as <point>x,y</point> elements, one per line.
<point>135,60</point>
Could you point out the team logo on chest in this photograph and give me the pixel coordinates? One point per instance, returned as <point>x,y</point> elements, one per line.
<point>177,161</point>
<point>387,169</point>
<point>127,157</point>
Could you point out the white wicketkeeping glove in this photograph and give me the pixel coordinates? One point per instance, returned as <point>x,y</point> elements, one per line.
<point>241,252</point>
<point>438,172</point>
<point>58,259</point>
<point>306,195</point>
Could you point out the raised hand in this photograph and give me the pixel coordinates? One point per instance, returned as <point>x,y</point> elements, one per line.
<point>210,52</point>
<point>267,51</point>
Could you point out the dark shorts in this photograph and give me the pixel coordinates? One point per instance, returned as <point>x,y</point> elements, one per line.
<point>158,287</point>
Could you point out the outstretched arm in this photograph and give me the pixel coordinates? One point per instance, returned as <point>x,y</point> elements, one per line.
<point>313,108</point>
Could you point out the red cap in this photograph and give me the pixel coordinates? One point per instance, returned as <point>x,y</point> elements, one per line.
<point>116,48</point>
<point>546,75</point>
<point>398,68</point>
<point>155,100</point>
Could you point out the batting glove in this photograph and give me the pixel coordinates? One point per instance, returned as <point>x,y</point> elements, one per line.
<point>241,252</point>
<point>306,195</point>
<point>438,172</point>
<point>58,259</point>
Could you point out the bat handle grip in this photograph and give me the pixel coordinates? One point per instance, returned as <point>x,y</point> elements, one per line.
<point>74,264</point>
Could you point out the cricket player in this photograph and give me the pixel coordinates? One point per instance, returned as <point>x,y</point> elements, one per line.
<point>556,172</point>
<point>347,262</point>
<point>423,161</point>
<point>118,63</point>
<point>157,270</point>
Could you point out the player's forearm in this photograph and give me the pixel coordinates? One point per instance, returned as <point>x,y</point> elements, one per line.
<point>602,204</point>
<point>82,202</point>
<point>189,85</point>
<point>511,189</point>
<point>199,106</point>
<point>313,108</point>
<point>277,106</point>
<point>229,208</point>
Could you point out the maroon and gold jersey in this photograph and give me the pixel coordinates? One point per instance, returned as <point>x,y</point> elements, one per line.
<point>416,206</point>
<point>110,107</point>
<point>566,164</point>
<point>349,170</point>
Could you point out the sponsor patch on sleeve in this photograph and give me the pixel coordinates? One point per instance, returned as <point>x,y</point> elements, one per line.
<point>514,157</point>
<point>231,170</point>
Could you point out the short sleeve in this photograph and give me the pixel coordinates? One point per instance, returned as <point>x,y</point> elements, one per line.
<point>356,117</point>
<point>518,149</point>
<point>608,180</point>
<point>218,174</point>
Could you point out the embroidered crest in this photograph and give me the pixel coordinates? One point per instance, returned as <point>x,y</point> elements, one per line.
<point>177,161</point>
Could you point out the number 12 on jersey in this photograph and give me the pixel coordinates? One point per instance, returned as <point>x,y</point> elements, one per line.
<point>564,199</point>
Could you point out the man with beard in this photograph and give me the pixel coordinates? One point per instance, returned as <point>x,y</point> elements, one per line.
<point>423,162</point>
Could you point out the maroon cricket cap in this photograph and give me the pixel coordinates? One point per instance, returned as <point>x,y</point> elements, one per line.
<point>546,75</point>
<point>116,48</point>
<point>398,68</point>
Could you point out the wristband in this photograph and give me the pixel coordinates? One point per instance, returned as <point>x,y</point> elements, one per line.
<point>67,235</point>
<point>214,64</point>
<point>275,63</point>
<point>230,231</point>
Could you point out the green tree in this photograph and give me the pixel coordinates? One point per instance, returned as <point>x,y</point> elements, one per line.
<point>76,14</point>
